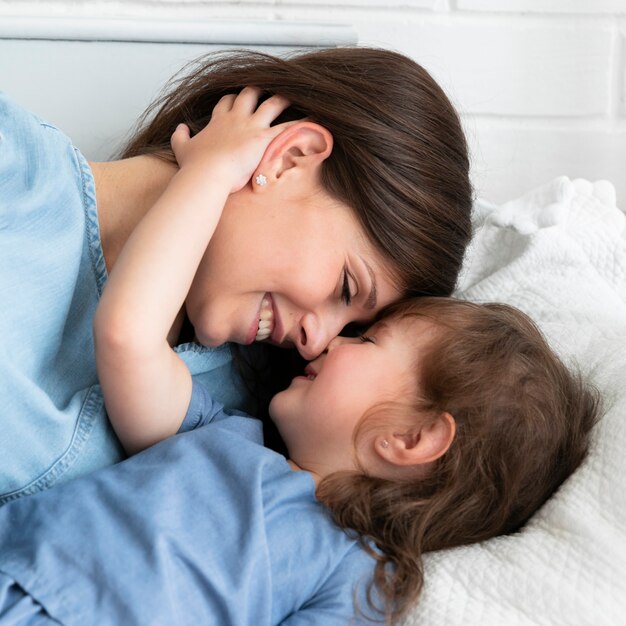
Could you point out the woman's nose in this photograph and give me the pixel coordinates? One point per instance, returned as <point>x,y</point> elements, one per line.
<point>335,342</point>
<point>316,333</point>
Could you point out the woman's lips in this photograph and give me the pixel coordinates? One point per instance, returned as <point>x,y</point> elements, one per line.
<point>266,319</point>
<point>278,333</point>
<point>266,324</point>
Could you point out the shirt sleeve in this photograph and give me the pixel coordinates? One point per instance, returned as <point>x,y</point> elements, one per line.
<point>202,409</point>
<point>343,597</point>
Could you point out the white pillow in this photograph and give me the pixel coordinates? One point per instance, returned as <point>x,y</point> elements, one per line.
<point>559,254</point>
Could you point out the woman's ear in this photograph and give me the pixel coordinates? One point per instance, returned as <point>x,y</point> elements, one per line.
<point>299,149</point>
<point>419,445</point>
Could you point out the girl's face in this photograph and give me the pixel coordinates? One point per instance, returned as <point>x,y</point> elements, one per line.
<point>318,413</point>
<point>289,267</point>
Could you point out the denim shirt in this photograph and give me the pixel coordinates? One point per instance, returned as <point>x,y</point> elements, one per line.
<point>53,425</point>
<point>206,527</point>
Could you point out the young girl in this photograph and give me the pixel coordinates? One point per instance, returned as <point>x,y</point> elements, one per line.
<point>446,423</point>
<point>382,199</point>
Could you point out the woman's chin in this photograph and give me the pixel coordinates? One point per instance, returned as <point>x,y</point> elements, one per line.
<point>211,341</point>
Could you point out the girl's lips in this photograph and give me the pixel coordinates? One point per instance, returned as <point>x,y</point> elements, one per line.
<point>309,374</point>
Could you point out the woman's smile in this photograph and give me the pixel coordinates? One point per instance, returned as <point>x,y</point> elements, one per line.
<point>266,323</point>
<point>290,291</point>
<point>263,322</point>
<point>266,320</point>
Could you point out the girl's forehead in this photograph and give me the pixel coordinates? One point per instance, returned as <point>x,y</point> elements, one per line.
<point>407,326</point>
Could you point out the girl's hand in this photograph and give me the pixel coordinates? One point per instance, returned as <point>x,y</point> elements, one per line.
<point>146,385</point>
<point>232,144</point>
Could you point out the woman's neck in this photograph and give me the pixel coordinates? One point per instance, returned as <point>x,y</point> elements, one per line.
<point>125,191</point>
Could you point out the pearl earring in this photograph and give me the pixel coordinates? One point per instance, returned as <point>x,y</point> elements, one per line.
<point>260,180</point>
<point>384,443</point>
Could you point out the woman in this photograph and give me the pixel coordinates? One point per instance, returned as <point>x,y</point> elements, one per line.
<point>363,198</point>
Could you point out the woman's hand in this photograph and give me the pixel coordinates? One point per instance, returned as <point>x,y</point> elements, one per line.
<point>230,147</point>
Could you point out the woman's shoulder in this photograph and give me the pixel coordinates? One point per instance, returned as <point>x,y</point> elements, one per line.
<point>36,151</point>
<point>51,274</point>
<point>20,116</point>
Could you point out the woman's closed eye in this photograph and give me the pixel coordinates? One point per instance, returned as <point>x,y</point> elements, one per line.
<point>346,292</point>
<point>366,339</point>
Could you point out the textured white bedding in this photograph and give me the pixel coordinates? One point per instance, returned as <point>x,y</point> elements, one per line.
<point>559,254</point>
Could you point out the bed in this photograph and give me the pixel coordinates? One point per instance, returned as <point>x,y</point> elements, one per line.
<point>558,253</point>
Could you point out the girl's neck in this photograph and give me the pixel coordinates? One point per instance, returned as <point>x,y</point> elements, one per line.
<point>125,191</point>
<point>296,468</point>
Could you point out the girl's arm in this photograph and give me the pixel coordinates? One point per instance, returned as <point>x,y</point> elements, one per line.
<point>146,386</point>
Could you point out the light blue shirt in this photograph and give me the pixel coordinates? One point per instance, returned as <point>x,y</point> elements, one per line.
<point>52,420</point>
<point>207,527</point>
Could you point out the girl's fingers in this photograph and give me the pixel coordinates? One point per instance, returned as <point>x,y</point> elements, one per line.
<point>266,112</point>
<point>246,100</point>
<point>179,137</point>
<point>245,103</point>
<point>270,109</point>
<point>225,103</point>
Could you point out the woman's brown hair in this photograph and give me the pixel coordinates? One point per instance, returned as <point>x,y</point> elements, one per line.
<point>399,160</point>
<point>523,423</point>
<point>399,157</point>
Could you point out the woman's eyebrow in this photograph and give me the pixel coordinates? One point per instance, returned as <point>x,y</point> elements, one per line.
<point>370,303</point>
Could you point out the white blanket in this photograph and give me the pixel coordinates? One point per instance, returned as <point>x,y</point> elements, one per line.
<point>559,254</point>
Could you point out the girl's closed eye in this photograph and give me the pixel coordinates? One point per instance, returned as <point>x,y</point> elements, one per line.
<point>366,339</point>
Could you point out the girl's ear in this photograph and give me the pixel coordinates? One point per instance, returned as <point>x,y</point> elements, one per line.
<point>300,148</point>
<point>417,446</point>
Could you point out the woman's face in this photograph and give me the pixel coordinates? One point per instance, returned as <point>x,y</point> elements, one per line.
<point>288,267</point>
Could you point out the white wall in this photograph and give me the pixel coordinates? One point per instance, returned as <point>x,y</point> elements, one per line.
<point>541,84</point>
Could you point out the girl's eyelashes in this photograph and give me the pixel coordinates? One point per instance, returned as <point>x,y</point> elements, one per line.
<point>366,338</point>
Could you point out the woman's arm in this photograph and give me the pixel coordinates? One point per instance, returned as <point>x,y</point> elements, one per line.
<point>146,386</point>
